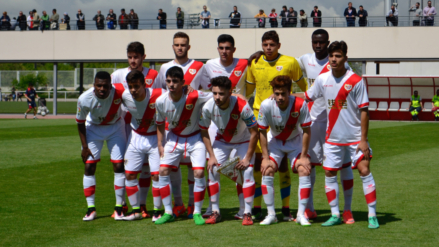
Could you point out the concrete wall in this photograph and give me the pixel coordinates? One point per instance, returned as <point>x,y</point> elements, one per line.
<point>371,43</point>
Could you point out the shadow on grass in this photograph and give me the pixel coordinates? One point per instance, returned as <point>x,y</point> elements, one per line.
<point>359,216</point>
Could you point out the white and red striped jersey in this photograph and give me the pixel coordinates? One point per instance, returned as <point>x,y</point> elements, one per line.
<point>192,73</point>
<point>284,124</point>
<point>236,72</point>
<point>232,122</point>
<point>119,76</point>
<point>344,97</point>
<point>143,112</point>
<point>183,116</point>
<point>311,68</point>
<point>100,111</point>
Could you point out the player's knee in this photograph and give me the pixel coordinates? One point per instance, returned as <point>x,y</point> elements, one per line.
<point>164,171</point>
<point>118,167</point>
<point>130,176</point>
<point>330,173</point>
<point>155,177</point>
<point>302,171</point>
<point>90,169</point>
<point>199,173</point>
<point>363,168</point>
<point>269,172</point>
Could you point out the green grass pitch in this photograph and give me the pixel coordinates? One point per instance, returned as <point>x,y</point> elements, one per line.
<point>43,201</point>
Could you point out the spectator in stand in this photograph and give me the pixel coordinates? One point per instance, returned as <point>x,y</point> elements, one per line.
<point>80,20</point>
<point>261,18</point>
<point>392,16</point>
<point>235,18</point>
<point>179,15</point>
<point>44,21</point>
<point>134,19</point>
<point>22,21</point>
<point>429,13</point>
<point>30,22</point>
<point>362,14</point>
<point>273,18</point>
<point>99,19</point>
<point>161,16</point>
<point>36,18</point>
<point>303,19</point>
<point>205,17</point>
<point>415,106</point>
<point>283,16</point>
<point>350,13</point>
<point>435,106</point>
<point>316,15</point>
<point>54,19</point>
<point>5,22</point>
<point>66,20</point>
<point>291,17</point>
<point>111,20</point>
<point>417,13</point>
<point>13,24</point>
<point>123,19</point>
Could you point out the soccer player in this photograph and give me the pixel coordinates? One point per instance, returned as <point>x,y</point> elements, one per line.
<point>136,55</point>
<point>284,116</point>
<point>142,147</point>
<point>99,119</point>
<point>346,143</point>
<point>181,111</point>
<point>236,70</point>
<point>30,95</point>
<point>435,106</point>
<point>259,76</point>
<point>314,64</point>
<point>237,130</point>
<point>192,76</point>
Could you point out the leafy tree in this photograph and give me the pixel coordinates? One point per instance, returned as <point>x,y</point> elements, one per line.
<point>36,80</point>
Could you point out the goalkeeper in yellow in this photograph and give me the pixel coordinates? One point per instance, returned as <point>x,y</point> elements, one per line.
<point>259,76</point>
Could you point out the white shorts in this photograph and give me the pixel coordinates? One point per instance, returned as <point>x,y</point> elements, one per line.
<point>178,148</point>
<point>223,151</point>
<point>339,157</point>
<point>114,134</point>
<point>142,150</point>
<point>277,150</point>
<point>318,133</point>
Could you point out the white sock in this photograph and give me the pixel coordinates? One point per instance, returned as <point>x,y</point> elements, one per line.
<point>199,191</point>
<point>370,193</point>
<point>89,183</point>
<point>165,193</point>
<point>240,199</point>
<point>157,199</point>
<point>144,184</point>
<point>304,193</point>
<point>310,204</point>
<point>176,187</point>
<point>132,189</point>
<point>347,180</point>
<point>248,190</point>
<point>331,188</point>
<point>268,193</point>
<point>214,189</point>
<point>119,188</point>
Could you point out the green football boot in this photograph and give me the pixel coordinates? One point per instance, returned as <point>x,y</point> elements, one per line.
<point>333,221</point>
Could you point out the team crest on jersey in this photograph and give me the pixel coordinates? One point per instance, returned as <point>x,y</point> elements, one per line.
<point>295,114</point>
<point>235,116</point>
<point>192,71</point>
<point>348,87</point>
<point>279,68</point>
<point>116,101</point>
<point>189,107</point>
<point>148,81</point>
<point>152,105</point>
<point>328,67</point>
<point>238,73</point>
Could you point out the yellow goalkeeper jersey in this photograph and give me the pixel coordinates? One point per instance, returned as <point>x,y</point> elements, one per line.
<point>263,72</point>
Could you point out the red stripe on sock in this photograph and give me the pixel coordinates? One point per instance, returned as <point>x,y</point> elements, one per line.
<point>131,190</point>
<point>145,182</point>
<point>213,189</point>
<point>190,182</point>
<point>155,192</point>
<point>304,193</point>
<point>331,195</point>
<point>249,191</point>
<point>89,191</point>
<point>264,189</point>
<point>199,196</point>
<point>348,184</point>
<point>239,189</point>
<point>165,191</point>
<point>371,197</point>
<point>118,187</point>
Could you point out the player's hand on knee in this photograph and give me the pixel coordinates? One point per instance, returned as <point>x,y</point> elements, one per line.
<point>242,164</point>
<point>211,163</point>
<point>364,147</point>
<point>268,166</point>
<point>305,163</point>
<point>85,154</point>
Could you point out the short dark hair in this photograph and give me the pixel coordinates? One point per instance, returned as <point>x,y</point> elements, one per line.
<point>271,35</point>
<point>338,45</point>
<point>136,47</point>
<point>320,31</point>
<point>161,9</point>
<point>221,81</point>
<point>281,81</point>
<point>122,10</point>
<point>226,38</point>
<point>103,75</point>
<point>54,10</point>
<point>181,35</point>
<point>284,6</point>
<point>135,76</point>
<point>175,72</point>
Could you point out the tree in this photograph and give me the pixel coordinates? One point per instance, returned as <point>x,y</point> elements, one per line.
<point>36,80</point>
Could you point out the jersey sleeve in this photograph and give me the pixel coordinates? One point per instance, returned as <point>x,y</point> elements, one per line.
<point>196,82</point>
<point>248,117</point>
<point>361,97</point>
<point>203,97</point>
<point>304,118</point>
<point>300,60</point>
<point>297,76</point>
<point>262,119</point>
<point>204,79</point>
<point>160,116</point>
<point>250,76</point>
<point>160,80</point>
<point>315,91</point>
<point>205,118</point>
<point>27,92</point>
<point>81,112</point>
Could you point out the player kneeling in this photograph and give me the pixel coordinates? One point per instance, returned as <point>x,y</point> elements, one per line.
<point>283,116</point>
<point>233,116</point>
<point>142,148</point>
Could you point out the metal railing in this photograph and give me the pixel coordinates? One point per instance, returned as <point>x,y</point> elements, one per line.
<point>48,95</point>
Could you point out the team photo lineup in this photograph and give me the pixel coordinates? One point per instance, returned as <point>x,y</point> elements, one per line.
<point>243,119</point>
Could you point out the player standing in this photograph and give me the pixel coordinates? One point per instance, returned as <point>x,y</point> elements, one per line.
<point>237,130</point>
<point>142,147</point>
<point>283,116</point>
<point>183,140</point>
<point>192,76</point>
<point>30,95</point>
<point>314,64</point>
<point>259,76</point>
<point>346,143</point>
<point>99,119</point>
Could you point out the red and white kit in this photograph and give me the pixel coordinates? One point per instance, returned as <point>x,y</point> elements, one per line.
<point>192,73</point>
<point>142,143</point>
<point>102,119</point>
<point>285,136</point>
<point>236,72</point>
<point>343,98</point>
<point>232,134</point>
